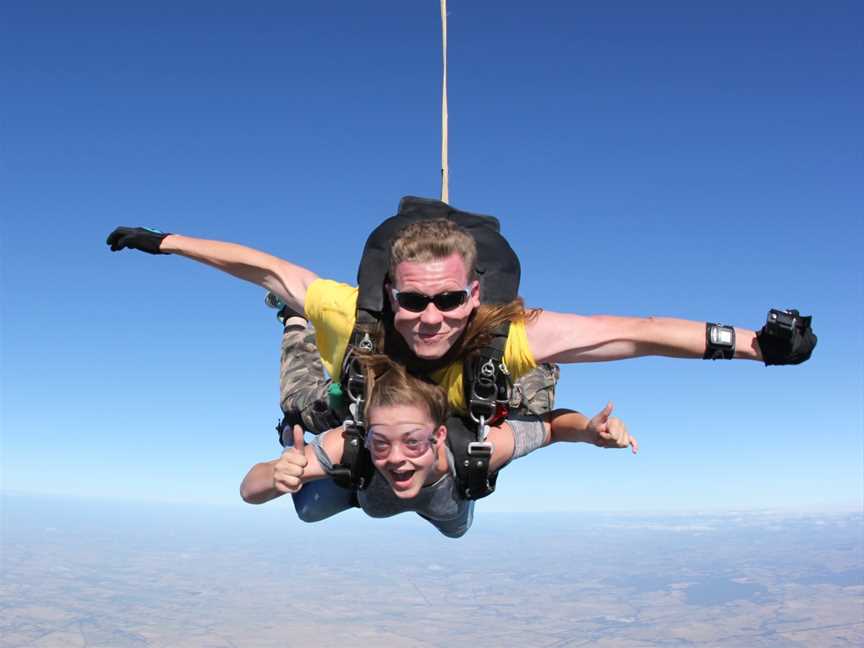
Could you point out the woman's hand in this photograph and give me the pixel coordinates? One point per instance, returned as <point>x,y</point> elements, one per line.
<point>610,432</point>
<point>289,468</point>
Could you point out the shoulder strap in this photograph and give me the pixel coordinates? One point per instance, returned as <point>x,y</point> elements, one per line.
<point>356,468</point>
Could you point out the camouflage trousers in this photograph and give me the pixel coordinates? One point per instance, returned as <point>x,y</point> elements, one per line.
<point>304,388</point>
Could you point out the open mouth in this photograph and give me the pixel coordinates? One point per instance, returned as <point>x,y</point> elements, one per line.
<point>401,478</point>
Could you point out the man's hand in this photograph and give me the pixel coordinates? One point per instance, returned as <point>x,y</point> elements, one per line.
<point>136,238</point>
<point>289,469</point>
<point>610,431</point>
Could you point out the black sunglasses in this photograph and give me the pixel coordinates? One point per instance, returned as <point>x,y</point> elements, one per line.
<point>417,302</point>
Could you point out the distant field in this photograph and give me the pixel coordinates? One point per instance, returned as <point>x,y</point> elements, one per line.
<point>98,573</point>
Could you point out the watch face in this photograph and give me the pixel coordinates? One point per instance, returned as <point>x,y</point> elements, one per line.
<point>721,336</point>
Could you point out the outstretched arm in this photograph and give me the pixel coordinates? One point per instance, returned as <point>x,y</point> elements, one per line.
<point>602,430</point>
<point>287,474</point>
<point>285,279</point>
<point>560,426</point>
<point>561,337</point>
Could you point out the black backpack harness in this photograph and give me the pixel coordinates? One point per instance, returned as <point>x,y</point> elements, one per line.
<point>486,380</point>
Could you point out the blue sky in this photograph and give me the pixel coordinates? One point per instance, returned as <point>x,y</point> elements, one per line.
<point>664,159</point>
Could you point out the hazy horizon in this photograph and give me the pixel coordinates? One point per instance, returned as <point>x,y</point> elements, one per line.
<point>84,572</point>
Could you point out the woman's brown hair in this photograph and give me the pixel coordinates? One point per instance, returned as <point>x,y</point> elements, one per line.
<point>388,384</point>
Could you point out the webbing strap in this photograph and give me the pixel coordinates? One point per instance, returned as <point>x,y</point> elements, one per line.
<point>471,459</point>
<point>356,468</point>
<point>445,172</point>
<point>487,390</point>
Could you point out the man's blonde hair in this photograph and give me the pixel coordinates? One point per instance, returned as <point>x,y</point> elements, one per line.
<point>429,240</point>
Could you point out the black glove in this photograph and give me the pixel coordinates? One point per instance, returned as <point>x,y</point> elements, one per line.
<point>136,238</point>
<point>786,346</point>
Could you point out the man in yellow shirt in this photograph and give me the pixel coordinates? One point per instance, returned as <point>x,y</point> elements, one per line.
<point>434,292</point>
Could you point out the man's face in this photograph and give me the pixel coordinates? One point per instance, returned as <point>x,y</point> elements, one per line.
<point>403,442</point>
<point>432,332</point>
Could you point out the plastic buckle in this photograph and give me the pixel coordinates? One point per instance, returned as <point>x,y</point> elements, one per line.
<point>480,449</point>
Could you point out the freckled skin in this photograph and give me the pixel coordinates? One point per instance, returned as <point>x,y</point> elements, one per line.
<point>431,333</point>
<point>395,423</point>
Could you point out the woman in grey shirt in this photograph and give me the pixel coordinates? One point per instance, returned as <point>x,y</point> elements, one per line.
<point>414,467</point>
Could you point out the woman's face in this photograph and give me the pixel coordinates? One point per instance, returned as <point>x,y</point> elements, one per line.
<point>404,443</point>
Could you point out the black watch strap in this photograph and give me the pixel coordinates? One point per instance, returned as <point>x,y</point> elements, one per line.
<point>719,342</point>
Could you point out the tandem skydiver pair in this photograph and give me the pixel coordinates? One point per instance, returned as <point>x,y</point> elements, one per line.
<point>423,303</point>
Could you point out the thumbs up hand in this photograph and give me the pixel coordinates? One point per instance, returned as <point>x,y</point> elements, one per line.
<point>610,432</point>
<point>289,469</point>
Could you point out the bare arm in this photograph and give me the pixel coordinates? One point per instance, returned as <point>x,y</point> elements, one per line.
<point>602,430</point>
<point>287,280</point>
<point>503,445</point>
<point>287,474</point>
<point>566,426</point>
<point>561,337</point>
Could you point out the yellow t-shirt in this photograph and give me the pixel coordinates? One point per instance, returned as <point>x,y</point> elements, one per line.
<point>331,307</point>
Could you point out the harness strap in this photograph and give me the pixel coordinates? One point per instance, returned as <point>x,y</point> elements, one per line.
<point>356,468</point>
<point>487,387</point>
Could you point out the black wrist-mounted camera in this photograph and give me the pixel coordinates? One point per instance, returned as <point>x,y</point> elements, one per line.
<point>786,337</point>
<point>781,323</point>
